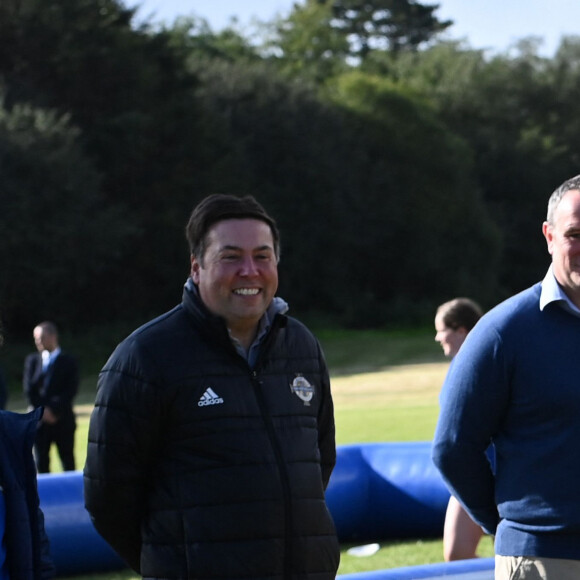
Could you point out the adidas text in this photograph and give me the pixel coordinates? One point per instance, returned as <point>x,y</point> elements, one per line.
<point>209,398</point>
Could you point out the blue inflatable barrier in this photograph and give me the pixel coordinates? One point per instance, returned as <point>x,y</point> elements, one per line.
<point>75,545</point>
<point>386,490</point>
<point>477,569</point>
<point>377,491</point>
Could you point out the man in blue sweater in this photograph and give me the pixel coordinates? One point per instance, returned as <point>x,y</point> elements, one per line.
<point>516,383</point>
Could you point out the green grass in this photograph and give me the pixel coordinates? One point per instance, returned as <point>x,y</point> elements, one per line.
<point>352,352</point>
<point>393,554</point>
<point>385,387</point>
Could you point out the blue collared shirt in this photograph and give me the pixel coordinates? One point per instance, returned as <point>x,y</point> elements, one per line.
<point>552,292</point>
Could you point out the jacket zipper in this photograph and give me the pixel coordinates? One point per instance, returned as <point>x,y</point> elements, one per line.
<point>288,522</point>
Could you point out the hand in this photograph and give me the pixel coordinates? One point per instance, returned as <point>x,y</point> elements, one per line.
<point>49,417</point>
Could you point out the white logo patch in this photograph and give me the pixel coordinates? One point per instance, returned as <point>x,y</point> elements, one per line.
<point>301,387</point>
<point>209,398</point>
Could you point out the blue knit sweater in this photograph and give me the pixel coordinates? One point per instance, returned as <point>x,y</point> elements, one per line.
<point>516,383</point>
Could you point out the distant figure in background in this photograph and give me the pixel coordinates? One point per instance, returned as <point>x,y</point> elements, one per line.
<point>51,380</point>
<point>453,321</point>
<point>24,547</point>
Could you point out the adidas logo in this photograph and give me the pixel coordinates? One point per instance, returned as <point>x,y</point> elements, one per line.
<point>209,398</point>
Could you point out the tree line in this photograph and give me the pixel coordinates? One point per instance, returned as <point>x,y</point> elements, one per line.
<point>403,168</point>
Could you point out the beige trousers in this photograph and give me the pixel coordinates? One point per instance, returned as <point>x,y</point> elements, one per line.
<point>528,568</point>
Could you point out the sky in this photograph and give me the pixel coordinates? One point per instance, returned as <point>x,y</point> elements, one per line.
<point>485,24</point>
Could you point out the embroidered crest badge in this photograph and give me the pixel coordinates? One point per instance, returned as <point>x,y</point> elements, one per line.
<point>301,387</point>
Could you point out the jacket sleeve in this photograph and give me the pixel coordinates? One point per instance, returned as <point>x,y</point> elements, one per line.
<point>326,426</point>
<point>121,439</point>
<point>473,400</point>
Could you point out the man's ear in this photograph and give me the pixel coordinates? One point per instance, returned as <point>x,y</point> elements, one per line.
<point>547,231</point>
<point>195,267</point>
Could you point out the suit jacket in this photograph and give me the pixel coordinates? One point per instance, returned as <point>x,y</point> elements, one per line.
<point>55,388</point>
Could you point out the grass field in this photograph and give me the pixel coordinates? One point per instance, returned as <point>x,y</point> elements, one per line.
<point>385,388</point>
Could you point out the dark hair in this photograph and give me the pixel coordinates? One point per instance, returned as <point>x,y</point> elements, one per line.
<point>569,185</point>
<point>218,207</point>
<point>459,313</point>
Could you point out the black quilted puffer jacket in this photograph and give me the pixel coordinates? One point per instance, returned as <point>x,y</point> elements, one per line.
<point>200,467</point>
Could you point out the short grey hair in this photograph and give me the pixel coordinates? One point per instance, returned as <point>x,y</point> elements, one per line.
<point>572,184</point>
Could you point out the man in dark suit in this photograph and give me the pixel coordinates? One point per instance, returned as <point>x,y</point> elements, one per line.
<point>51,380</point>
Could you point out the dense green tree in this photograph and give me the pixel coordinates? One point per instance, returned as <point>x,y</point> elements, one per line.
<point>509,109</point>
<point>322,38</point>
<point>284,146</point>
<point>391,25</point>
<point>128,91</point>
<point>195,37</point>
<point>307,45</point>
<point>383,163</point>
<point>560,87</point>
<point>366,182</point>
<point>57,233</point>
<point>428,221</point>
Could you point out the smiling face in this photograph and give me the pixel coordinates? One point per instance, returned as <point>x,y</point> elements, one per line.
<point>563,238</point>
<point>237,277</point>
<point>450,339</point>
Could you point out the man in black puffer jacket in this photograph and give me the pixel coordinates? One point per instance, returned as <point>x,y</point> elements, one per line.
<point>212,438</point>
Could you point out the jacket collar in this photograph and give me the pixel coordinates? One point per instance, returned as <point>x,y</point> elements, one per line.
<point>209,323</point>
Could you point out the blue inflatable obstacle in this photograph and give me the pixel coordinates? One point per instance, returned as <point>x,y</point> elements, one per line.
<point>377,491</point>
<point>75,545</point>
<point>386,490</point>
<point>478,569</point>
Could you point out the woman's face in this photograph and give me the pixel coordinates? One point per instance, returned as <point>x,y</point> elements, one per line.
<point>450,339</point>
